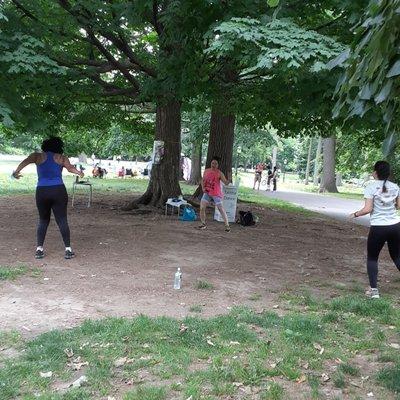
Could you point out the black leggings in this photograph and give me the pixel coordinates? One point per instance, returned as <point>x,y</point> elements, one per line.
<point>378,236</point>
<point>52,198</point>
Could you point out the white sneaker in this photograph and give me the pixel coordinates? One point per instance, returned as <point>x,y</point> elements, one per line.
<point>372,293</point>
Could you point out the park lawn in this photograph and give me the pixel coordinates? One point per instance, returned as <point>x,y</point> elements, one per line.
<point>310,347</point>
<point>291,183</point>
<point>27,184</point>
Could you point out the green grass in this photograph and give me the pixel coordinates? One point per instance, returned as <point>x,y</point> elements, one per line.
<point>250,196</point>
<point>213,358</point>
<point>203,285</point>
<point>12,273</point>
<point>273,392</point>
<point>196,309</point>
<point>390,377</point>
<point>255,297</point>
<point>27,185</point>
<point>148,393</point>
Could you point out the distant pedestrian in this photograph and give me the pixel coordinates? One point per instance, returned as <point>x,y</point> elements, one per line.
<point>258,175</point>
<point>381,201</point>
<point>274,178</point>
<point>51,194</point>
<point>269,177</point>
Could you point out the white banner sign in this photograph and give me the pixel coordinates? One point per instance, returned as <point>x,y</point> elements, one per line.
<point>229,201</point>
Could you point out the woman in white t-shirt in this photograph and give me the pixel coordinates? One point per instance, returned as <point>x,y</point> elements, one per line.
<point>381,201</point>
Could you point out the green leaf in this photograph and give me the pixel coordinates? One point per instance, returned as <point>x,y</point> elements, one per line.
<point>273,3</point>
<point>395,70</point>
<point>365,93</point>
<point>339,60</point>
<point>383,94</point>
<point>389,143</point>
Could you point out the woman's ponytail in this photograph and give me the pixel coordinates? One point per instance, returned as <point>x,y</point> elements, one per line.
<point>382,169</point>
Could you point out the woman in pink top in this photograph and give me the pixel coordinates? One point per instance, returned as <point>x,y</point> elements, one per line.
<point>212,192</point>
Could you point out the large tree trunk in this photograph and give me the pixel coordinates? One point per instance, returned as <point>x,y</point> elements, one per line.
<point>220,142</point>
<point>164,181</point>
<point>328,182</point>
<point>307,177</point>
<point>317,161</point>
<point>195,173</point>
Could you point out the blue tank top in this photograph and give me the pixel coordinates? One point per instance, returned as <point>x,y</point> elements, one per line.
<point>49,172</point>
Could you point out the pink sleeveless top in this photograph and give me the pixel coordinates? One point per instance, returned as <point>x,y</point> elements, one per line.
<point>212,183</point>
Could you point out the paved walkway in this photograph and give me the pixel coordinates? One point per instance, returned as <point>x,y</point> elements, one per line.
<point>335,207</point>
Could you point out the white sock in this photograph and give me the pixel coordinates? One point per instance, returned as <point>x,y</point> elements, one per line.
<point>39,248</point>
<point>68,249</point>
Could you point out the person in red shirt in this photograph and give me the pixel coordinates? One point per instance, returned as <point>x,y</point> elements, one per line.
<point>212,192</point>
<point>258,175</point>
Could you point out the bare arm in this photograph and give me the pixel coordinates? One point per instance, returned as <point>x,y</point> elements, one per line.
<point>31,159</point>
<point>398,202</point>
<point>368,206</point>
<point>70,168</point>
<point>202,183</point>
<point>223,179</point>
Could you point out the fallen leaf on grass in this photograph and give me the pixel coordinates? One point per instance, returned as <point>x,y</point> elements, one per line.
<point>302,379</point>
<point>79,382</point>
<point>355,384</point>
<point>210,343</point>
<point>76,364</point>
<point>183,328</point>
<point>237,384</point>
<point>69,353</point>
<point>232,343</point>
<point>305,366</point>
<point>146,346</point>
<point>325,377</point>
<point>318,347</point>
<point>119,362</point>
<point>370,394</point>
<point>190,398</point>
<point>395,345</point>
<point>46,374</point>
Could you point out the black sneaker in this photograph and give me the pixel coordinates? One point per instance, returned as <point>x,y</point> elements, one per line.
<point>39,254</point>
<point>69,254</point>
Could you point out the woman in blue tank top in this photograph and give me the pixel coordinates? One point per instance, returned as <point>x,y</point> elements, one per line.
<point>51,193</point>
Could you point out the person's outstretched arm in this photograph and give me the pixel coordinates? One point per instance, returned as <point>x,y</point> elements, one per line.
<point>368,207</point>
<point>70,168</point>
<point>223,179</point>
<point>31,159</point>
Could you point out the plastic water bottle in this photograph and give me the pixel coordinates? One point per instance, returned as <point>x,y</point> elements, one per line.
<point>178,279</point>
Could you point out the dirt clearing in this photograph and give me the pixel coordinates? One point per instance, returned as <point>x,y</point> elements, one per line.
<point>125,264</point>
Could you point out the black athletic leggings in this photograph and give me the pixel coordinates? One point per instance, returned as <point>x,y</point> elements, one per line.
<point>52,198</point>
<point>378,236</point>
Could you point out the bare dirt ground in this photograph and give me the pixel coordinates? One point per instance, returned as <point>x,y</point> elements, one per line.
<point>125,263</point>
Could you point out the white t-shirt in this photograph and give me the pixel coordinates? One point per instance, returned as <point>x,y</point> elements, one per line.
<point>384,211</point>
